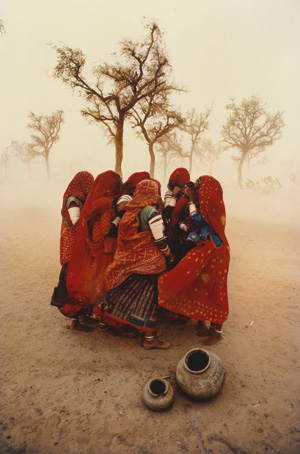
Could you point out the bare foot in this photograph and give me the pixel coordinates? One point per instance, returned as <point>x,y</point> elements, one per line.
<point>205,332</point>
<point>76,326</point>
<point>213,339</point>
<point>155,344</point>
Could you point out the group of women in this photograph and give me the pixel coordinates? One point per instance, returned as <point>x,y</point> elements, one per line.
<point>128,255</point>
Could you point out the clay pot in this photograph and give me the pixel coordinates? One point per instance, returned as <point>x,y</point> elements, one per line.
<point>200,374</point>
<point>158,394</point>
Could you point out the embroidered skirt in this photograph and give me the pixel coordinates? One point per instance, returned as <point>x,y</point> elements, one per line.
<point>134,302</point>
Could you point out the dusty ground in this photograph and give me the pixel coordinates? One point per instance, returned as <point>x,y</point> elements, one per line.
<point>68,392</point>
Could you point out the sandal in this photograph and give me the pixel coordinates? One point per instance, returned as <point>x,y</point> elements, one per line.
<point>76,326</point>
<point>155,344</point>
<point>88,321</point>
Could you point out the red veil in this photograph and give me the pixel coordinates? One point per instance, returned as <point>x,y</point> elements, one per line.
<point>197,286</point>
<point>93,250</point>
<point>79,187</point>
<point>179,177</point>
<point>131,183</point>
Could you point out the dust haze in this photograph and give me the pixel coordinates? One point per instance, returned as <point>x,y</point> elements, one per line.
<point>73,392</point>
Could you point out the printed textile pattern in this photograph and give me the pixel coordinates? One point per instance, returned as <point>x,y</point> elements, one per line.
<point>79,187</point>
<point>197,286</point>
<point>136,251</point>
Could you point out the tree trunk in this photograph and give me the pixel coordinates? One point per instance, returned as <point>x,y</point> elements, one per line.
<point>119,146</point>
<point>240,166</point>
<point>165,168</point>
<point>47,164</point>
<point>191,162</point>
<point>152,159</point>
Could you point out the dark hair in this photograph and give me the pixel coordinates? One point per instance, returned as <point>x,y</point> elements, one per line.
<point>189,184</point>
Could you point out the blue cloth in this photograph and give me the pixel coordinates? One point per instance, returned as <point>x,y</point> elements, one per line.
<point>203,229</point>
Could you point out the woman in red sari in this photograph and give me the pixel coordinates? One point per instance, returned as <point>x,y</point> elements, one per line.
<point>73,202</point>
<point>131,279</point>
<point>94,245</point>
<point>197,287</point>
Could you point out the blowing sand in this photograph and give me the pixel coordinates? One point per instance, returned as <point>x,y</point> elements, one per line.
<point>72,392</point>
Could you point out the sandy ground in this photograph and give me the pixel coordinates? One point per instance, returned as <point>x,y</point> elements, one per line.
<point>71,392</point>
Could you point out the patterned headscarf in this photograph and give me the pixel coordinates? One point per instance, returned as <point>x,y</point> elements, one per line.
<point>146,193</point>
<point>212,206</point>
<point>79,187</point>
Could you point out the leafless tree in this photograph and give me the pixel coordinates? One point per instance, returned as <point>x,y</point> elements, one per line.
<point>22,151</point>
<point>250,129</point>
<point>2,28</point>
<point>5,155</point>
<point>194,125</point>
<point>141,71</point>
<point>169,147</point>
<point>208,152</point>
<point>155,119</point>
<point>47,129</point>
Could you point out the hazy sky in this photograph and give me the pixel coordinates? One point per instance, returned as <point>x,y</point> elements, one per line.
<point>219,49</point>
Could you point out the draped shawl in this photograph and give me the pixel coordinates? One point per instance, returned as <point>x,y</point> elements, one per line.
<point>79,187</point>
<point>197,286</point>
<point>93,248</point>
<point>136,251</point>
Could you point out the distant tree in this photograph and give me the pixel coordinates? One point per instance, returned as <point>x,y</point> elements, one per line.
<point>250,129</point>
<point>155,119</point>
<point>47,129</point>
<point>5,155</point>
<point>140,72</point>
<point>22,151</point>
<point>208,152</point>
<point>2,28</point>
<point>169,147</point>
<point>194,125</point>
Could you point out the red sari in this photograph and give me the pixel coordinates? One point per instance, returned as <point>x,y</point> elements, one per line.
<point>93,249</point>
<point>77,191</point>
<point>78,188</point>
<point>197,286</point>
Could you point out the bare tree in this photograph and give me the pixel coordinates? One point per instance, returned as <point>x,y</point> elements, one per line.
<point>5,157</point>
<point>209,152</point>
<point>47,128</point>
<point>2,28</point>
<point>194,125</point>
<point>250,129</point>
<point>155,119</point>
<point>169,147</point>
<point>22,151</point>
<point>139,73</point>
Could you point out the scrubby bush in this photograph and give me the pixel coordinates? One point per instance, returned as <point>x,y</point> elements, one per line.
<point>266,185</point>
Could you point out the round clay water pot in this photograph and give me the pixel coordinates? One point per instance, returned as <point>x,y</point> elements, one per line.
<point>158,394</point>
<point>200,374</point>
